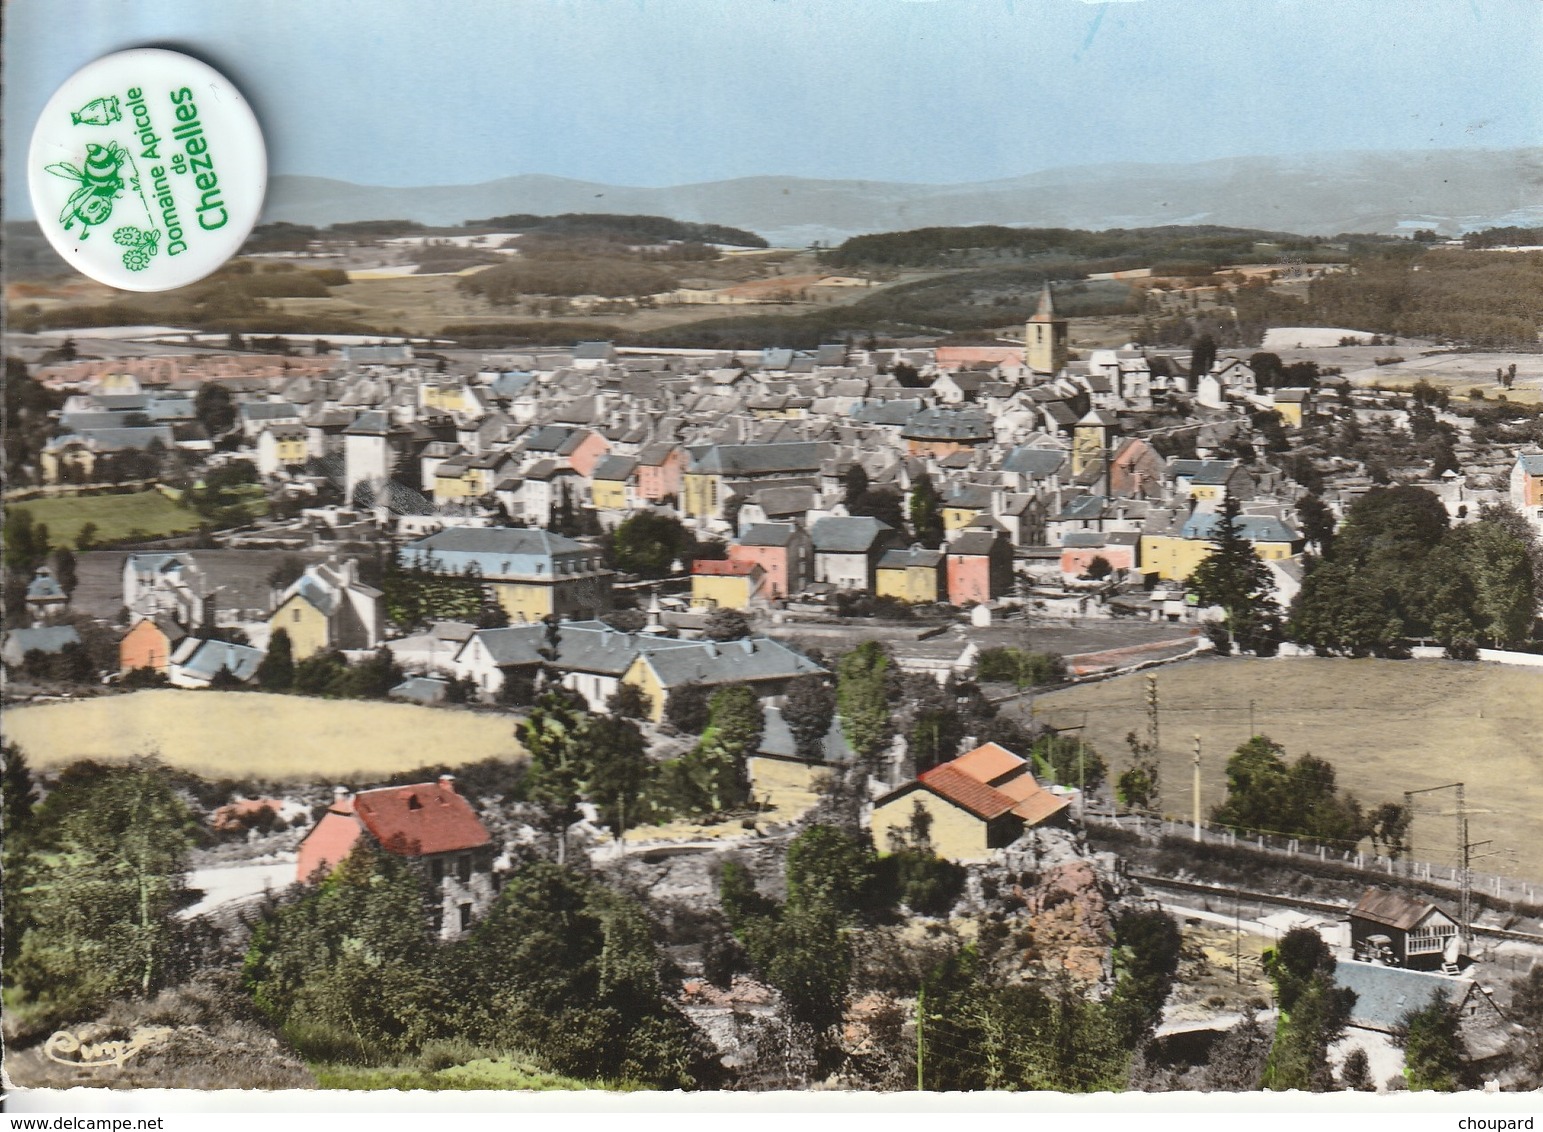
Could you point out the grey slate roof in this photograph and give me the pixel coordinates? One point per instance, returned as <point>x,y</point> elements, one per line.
<point>495,551</point>
<point>1385,994</point>
<point>1255,528</point>
<point>777,738</point>
<point>948,424</point>
<point>767,534</point>
<point>208,657</point>
<point>614,468</point>
<point>760,459</point>
<point>854,534</point>
<point>904,559</point>
<point>49,638</point>
<point>1036,462</point>
<point>749,660</point>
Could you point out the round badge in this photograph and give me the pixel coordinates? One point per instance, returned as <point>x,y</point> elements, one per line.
<point>147,170</point>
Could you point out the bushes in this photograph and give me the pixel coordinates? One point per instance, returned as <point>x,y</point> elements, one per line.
<point>1019,667</point>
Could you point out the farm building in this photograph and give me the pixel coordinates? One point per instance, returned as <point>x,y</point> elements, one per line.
<point>980,801</point>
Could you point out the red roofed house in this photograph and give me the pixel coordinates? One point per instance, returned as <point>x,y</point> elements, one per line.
<point>727,584</point>
<point>981,801</point>
<point>429,824</point>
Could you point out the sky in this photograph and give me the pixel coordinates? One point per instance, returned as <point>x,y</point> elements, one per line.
<point>664,92</point>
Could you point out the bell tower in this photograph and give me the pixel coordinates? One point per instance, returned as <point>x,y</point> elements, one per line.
<point>1044,338</point>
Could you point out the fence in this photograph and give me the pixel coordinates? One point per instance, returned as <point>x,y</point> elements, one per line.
<point>1512,889</point>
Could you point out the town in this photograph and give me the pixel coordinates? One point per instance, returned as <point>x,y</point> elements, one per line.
<point>938,712</point>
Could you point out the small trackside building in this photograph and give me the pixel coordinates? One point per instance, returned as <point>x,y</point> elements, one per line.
<point>430,825</point>
<point>1391,928</point>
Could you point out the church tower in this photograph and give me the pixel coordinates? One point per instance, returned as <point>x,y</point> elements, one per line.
<point>1044,338</point>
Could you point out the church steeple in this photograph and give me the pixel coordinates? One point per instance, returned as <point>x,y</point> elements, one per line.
<point>1045,337</point>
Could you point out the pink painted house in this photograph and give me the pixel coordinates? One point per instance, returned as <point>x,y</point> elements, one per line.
<point>661,470</point>
<point>782,550</point>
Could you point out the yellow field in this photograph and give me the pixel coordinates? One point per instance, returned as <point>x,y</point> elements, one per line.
<point>1386,725</point>
<point>250,734</point>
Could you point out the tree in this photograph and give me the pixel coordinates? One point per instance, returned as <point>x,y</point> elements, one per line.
<point>1069,762</point>
<point>1202,355</point>
<point>1313,1012</point>
<point>629,702</point>
<point>646,544</point>
<point>1355,1075</point>
<point>934,736</point>
<point>1234,577</point>
<point>1435,1055</point>
<point>85,538</point>
<point>809,710</point>
<point>1525,1048</point>
<point>64,570</point>
<point>926,512</point>
<point>1269,373</point>
<point>276,671</point>
<point>102,911</point>
<point>617,768</point>
<point>1318,522</point>
<point>286,573</point>
<point>551,733</point>
<point>862,697</point>
<point>686,707</point>
<point>213,406</point>
<point>855,484</point>
<point>725,624</point>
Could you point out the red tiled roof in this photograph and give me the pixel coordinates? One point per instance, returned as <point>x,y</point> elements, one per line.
<point>987,762</point>
<point>1040,806</point>
<point>328,841</point>
<point>959,788</point>
<point>724,568</point>
<point>411,821</point>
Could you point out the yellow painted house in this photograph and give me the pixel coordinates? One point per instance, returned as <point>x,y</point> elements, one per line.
<point>713,475</point>
<point>981,801</point>
<point>610,484</point>
<point>305,623</point>
<point>911,575</point>
<point>727,584</point>
<point>328,607</point>
<point>1292,405</point>
<point>963,508</point>
<point>1173,553</point>
<point>531,573</point>
<point>664,666</point>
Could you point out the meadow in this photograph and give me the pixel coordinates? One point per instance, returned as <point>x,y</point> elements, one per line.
<point>1387,726</point>
<point>252,734</point>
<point>115,516</point>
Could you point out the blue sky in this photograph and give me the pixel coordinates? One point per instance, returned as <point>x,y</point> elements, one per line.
<point>660,92</point>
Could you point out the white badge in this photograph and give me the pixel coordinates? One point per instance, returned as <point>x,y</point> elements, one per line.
<point>147,170</point>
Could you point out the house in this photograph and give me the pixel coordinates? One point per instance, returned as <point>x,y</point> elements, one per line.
<point>913,575</point>
<point>962,507</point>
<point>1527,486</point>
<point>768,666</point>
<point>783,550</point>
<point>1293,405</point>
<point>428,824</point>
<point>532,573</point>
<point>1384,995</point>
<point>611,486</point>
<point>980,801</point>
<point>45,598</point>
<point>150,643</point>
<point>1211,481</point>
<point>847,548</point>
<point>1092,438</point>
<point>255,416</point>
<point>196,663</point>
<point>723,470</point>
<point>942,432</point>
<point>590,657</point>
<point>727,584</point>
<point>171,584</point>
<point>282,446</point>
<point>1079,549</point>
<point>46,639</point>
<point>979,566</point>
<point>661,471</point>
<point>328,607</point>
<point>1389,927</point>
<point>576,448</point>
<point>1173,544</point>
<point>1136,470</point>
<point>780,775</point>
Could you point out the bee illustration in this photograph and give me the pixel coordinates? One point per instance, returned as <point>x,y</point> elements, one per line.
<point>98,112</point>
<point>101,182</point>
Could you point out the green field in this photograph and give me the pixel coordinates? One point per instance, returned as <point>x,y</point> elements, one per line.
<point>1386,725</point>
<point>116,516</point>
<point>252,734</point>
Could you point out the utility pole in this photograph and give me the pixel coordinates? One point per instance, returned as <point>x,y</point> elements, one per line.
<point>1465,855</point>
<point>1152,711</point>
<point>921,1015</point>
<point>1197,788</point>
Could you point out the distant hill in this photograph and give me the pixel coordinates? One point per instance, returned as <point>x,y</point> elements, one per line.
<point>1450,191</point>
